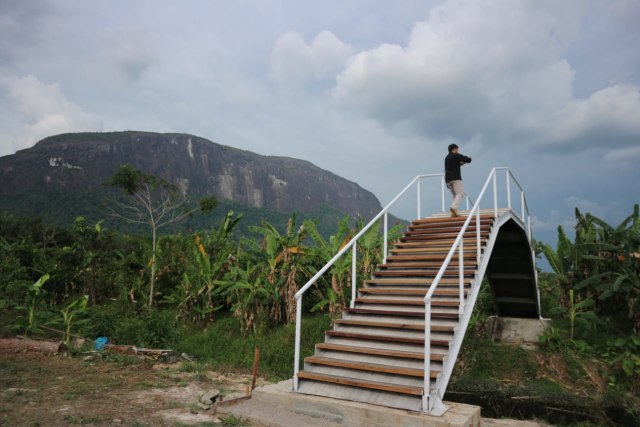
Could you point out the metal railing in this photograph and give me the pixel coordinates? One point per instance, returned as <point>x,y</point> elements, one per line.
<point>428,400</point>
<point>433,402</point>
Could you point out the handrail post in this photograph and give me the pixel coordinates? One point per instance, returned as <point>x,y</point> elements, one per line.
<point>444,184</point>
<point>478,241</point>
<point>508,188</point>
<point>354,274</point>
<point>386,237</point>
<point>461,275</point>
<point>296,363</point>
<point>495,193</point>
<point>522,202</point>
<point>426,392</point>
<point>418,197</point>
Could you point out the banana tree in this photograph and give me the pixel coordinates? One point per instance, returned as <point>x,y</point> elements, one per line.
<point>286,265</point>
<point>340,273</point>
<point>208,258</point>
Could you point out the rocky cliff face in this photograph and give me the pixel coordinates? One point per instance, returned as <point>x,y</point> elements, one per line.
<point>80,162</point>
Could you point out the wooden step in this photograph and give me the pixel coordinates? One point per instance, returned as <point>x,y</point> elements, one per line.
<point>377,312</point>
<point>370,367</point>
<point>467,250</point>
<point>386,338</point>
<point>439,236</point>
<point>448,219</point>
<point>373,385</point>
<point>409,291</point>
<point>414,281</point>
<point>393,325</point>
<point>445,231</point>
<point>396,301</point>
<point>395,264</point>
<point>439,244</point>
<point>413,257</point>
<point>447,226</point>
<point>423,273</point>
<point>378,352</point>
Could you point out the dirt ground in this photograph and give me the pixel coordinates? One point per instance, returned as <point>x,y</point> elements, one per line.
<point>38,389</point>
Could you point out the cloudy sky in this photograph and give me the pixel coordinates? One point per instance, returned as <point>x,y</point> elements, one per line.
<point>372,90</point>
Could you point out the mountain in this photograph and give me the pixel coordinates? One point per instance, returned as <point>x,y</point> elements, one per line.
<point>61,176</point>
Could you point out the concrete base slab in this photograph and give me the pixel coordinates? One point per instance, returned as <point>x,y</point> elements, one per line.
<point>276,405</point>
<point>518,331</point>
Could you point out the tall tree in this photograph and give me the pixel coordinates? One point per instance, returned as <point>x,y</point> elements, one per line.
<point>152,202</point>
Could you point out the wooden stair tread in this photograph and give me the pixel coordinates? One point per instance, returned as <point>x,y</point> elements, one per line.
<point>459,219</point>
<point>434,251</point>
<point>396,301</point>
<point>437,236</point>
<point>386,338</point>
<point>415,281</point>
<point>404,291</point>
<point>423,273</point>
<point>434,314</point>
<point>445,231</point>
<point>393,325</point>
<point>374,385</point>
<point>378,351</point>
<point>413,258</point>
<point>366,366</point>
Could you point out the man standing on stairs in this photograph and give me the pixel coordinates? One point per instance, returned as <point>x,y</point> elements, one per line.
<point>453,176</point>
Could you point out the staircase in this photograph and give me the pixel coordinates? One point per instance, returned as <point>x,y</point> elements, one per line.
<point>375,352</point>
<point>397,343</point>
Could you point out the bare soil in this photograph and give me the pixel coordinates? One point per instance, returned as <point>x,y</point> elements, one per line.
<point>38,389</point>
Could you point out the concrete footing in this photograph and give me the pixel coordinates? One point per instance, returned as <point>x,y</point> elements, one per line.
<point>275,405</point>
<point>524,332</point>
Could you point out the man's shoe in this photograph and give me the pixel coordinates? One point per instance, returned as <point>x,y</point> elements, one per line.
<point>454,212</point>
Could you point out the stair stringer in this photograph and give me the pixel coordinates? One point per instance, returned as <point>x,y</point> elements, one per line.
<point>449,361</point>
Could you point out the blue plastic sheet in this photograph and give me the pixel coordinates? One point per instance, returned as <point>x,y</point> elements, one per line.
<point>100,342</point>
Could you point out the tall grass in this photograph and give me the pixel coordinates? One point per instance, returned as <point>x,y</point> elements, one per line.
<point>223,345</point>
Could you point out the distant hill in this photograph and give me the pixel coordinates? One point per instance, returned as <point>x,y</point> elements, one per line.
<point>61,177</point>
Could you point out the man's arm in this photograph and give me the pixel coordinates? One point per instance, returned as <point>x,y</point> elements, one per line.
<point>463,159</point>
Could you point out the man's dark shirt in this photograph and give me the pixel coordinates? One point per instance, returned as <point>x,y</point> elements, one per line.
<point>452,164</point>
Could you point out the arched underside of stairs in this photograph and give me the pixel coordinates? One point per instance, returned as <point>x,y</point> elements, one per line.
<point>511,271</point>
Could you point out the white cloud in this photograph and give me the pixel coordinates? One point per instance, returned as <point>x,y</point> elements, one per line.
<point>494,71</point>
<point>627,156</point>
<point>295,61</point>
<point>39,110</point>
<point>126,56</point>
<point>610,117</point>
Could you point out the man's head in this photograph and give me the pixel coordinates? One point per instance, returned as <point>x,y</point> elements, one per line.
<point>453,148</point>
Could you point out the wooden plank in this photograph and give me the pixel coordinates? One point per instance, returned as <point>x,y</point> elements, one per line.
<point>378,351</point>
<point>386,338</point>
<point>449,219</point>
<point>438,236</point>
<point>395,301</point>
<point>401,291</point>
<point>393,325</point>
<point>368,367</point>
<point>395,265</point>
<point>373,311</point>
<point>433,251</point>
<point>415,281</point>
<point>373,385</point>
<point>421,273</point>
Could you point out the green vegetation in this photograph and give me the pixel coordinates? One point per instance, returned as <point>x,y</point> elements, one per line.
<point>220,291</point>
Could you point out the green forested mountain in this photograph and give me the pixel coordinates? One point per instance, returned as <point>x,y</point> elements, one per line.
<point>61,177</point>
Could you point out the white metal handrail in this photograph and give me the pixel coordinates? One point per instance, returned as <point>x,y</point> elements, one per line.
<point>352,245</point>
<point>433,403</point>
<point>430,402</point>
